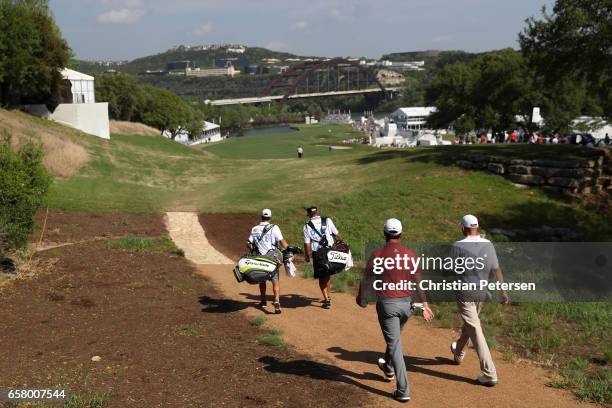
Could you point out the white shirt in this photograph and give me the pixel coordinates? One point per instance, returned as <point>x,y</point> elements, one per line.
<point>300,150</point>
<point>267,242</point>
<point>311,236</point>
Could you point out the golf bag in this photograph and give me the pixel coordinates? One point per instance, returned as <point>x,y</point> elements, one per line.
<point>256,269</point>
<point>331,260</point>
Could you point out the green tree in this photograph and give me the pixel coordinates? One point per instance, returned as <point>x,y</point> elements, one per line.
<point>32,53</point>
<point>124,94</point>
<point>574,42</point>
<point>167,112</point>
<point>485,93</point>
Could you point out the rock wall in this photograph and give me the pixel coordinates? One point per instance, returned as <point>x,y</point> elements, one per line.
<point>570,176</point>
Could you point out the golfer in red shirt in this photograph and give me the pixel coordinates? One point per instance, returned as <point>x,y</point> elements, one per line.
<point>390,269</point>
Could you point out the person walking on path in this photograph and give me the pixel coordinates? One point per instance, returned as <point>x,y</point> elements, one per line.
<point>300,151</point>
<point>266,237</point>
<point>394,305</point>
<point>319,232</point>
<point>470,303</point>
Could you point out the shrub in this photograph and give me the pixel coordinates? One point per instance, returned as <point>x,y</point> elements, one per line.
<point>23,186</point>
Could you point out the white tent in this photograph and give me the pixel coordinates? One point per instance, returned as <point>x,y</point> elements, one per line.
<point>82,86</point>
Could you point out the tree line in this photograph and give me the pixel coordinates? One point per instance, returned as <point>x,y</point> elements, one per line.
<point>32,53</point>
<point>564,67</point>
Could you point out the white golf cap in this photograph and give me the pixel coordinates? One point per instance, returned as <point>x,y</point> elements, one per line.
<point>266,212</point>
<point>393,227</point>
<point>469,221</point>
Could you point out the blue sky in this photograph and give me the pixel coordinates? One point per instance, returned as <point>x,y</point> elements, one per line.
<point>127,29</point>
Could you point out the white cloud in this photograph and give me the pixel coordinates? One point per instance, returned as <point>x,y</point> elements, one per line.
<point>203,29</point>
<point>131,4</point>
<point>301,26</point>
<point>277,46</point>
<point>121,16</point>
<point>441,39</point>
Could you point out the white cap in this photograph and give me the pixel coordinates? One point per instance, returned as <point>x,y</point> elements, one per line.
<point>266,212</point>
<point>393,227</point>
<point>469,221</point>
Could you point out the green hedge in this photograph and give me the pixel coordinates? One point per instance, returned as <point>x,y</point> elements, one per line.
<point>23,187</point>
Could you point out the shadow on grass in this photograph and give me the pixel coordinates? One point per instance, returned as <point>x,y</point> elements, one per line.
<point>588,225</point>
<point>447,155</point>
<point>320,371</point>
<point>413,364</point>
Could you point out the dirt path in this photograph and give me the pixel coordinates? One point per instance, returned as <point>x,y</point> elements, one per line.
<point>348,338</point>
<point>187,234</point>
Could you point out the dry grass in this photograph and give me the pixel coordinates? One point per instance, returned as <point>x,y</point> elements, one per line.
<point>132,128</point>
<point>64,155</point>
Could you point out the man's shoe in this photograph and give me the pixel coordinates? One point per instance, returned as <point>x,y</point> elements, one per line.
<point>327,304</point>
<point>453,348</point>
<point>487,381</point>
<point>389,375</point>
<point>399,397</point>
<point>277,308</point>
<point>263,303</point>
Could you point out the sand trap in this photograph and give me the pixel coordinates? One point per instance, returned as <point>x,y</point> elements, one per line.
<point>187,233</point>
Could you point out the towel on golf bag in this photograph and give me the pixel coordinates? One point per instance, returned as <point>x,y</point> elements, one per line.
<point>334,259</point>
<point>255,269</point>
<point>290,268</point>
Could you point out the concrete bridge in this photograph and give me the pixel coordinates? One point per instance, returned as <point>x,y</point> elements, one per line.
<point>267,99</point>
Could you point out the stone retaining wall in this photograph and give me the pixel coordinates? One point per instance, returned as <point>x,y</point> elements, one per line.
<point>572,176</point>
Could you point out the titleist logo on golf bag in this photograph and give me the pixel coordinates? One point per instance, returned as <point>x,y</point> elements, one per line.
<point>337,257</point>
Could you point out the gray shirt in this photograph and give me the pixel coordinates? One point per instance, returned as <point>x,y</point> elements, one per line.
<point>475,261</point>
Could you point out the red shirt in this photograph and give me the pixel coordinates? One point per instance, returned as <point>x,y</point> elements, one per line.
<point>394,275</point>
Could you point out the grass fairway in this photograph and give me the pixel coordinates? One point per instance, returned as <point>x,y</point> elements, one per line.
<point>361,187</point>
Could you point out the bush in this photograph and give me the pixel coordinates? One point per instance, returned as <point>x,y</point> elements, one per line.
<point>23,187</point>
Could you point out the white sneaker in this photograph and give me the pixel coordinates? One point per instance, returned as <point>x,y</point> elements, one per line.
<point>458,360</point>
<point>399,397</point>
<point>487,381</point>
<point>382,365</point>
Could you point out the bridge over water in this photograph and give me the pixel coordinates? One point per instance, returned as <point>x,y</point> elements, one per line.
<point>314,79</point>
<point>267,99</point>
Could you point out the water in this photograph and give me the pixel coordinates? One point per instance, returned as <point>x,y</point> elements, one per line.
<point>267,131</point>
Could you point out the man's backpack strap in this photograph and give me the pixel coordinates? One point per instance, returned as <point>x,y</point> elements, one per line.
<point>321,233</point>
<point>266,229</point>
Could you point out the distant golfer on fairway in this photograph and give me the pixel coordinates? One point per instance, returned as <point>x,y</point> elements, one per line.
<point>265,237</point>
<point>394,305</point>
<point>300,152</point>
<point>319,232</point>
<point>471,302</point>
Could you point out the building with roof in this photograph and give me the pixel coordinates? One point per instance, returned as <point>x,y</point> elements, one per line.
<point>78,107</point>
<point>413,118</point>
<point>211,132</point>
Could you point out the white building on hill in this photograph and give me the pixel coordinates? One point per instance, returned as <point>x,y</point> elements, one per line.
<point>413,118</point>
<point>79,108</point>
<point>211,132</point>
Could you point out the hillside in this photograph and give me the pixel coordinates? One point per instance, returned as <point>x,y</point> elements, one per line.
<point>201,58</point>
<point>434,59</point>
<point>65,148</point>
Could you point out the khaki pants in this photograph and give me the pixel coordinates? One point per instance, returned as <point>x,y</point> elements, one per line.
<point>472,330</point>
